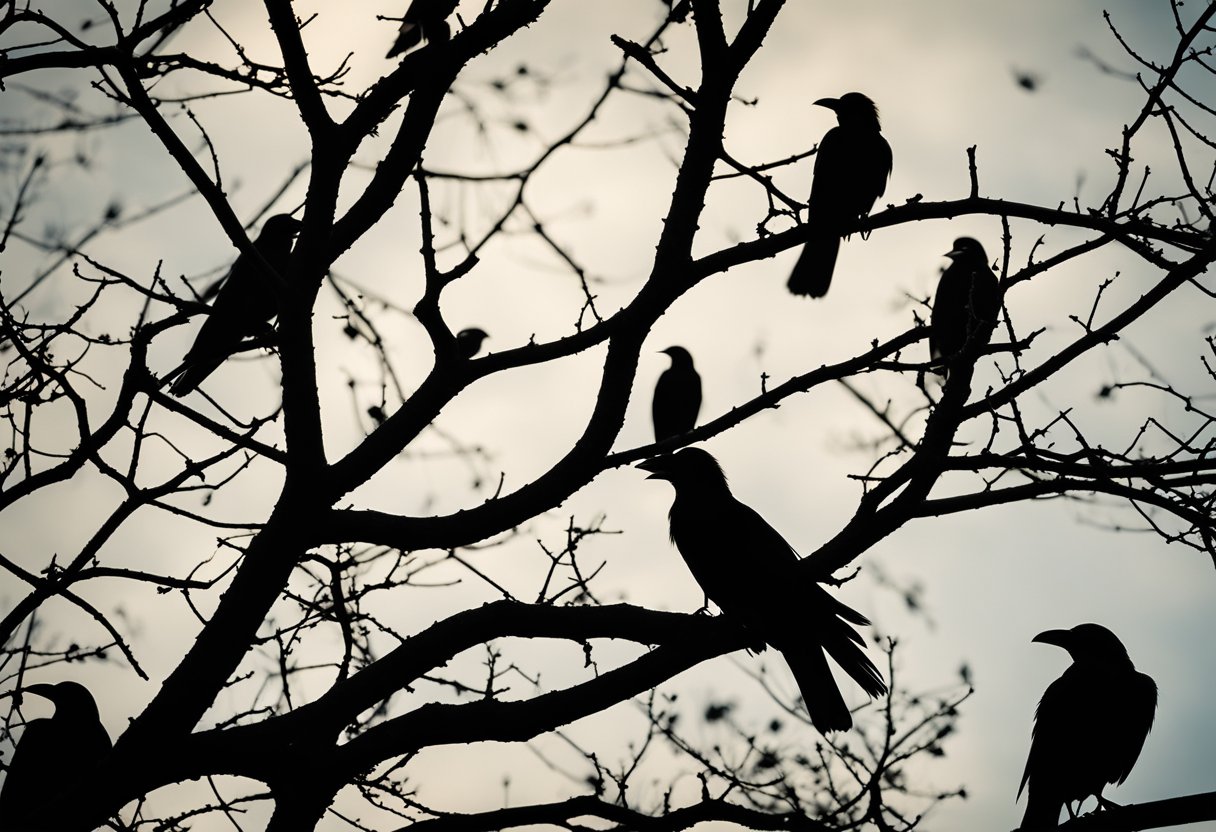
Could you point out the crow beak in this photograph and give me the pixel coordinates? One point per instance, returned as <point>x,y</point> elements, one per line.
<point>952,254</point>
<point>830,103</point>
<point>1060,638</point>
<point>655,466</point>
<point>45,691</point>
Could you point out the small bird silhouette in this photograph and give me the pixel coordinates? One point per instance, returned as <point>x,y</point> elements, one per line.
<point>748,569</point>
<point>1089,726</point>
<point>966,305</point>
<point>52,756</point>
<point>851,170</point>
<point>423,19</point>
<point>245,302</point>
<point>677,10</point>
<point>468,341</point>
<point>1028,81</point>
<point>677,396</point>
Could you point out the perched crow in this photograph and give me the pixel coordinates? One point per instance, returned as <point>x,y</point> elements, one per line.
<point>52,755</point>
<point>677,12</point>
<point>468,341</point>
<point>243,305</point>
<point>967,303</point>
<point>423,19</point>
<point>851,170</point>
<point>1089,726</point>
<point>747,569</point>
<point>677,396</point>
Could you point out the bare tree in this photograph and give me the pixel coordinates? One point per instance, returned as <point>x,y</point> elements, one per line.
<point>313,684</point>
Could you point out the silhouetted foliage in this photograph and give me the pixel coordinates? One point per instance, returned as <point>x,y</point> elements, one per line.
<point>293,581</point>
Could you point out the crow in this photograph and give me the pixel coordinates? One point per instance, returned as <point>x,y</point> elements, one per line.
<point>245,302</point>
<point>966,305</point>
<point>851,170</point>
<point>677,396</point>
<point>423,19</point>
<point>468,341</point>
<point>748,569</point>
<point>1089,727</point>
<point>52,755</point>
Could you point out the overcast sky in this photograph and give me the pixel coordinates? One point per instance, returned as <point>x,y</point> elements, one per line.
<point>943,75</point>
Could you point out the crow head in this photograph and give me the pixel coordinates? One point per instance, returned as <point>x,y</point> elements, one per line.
<point>691,467</point>
<point>71,699</point>
<point>468,341</point>
<point>967,249</point>
<point>281,226</point>
<point>852,108</point>
<point>1087,643</point>
<point>678,355</point>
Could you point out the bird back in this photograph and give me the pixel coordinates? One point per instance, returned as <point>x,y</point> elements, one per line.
<point>677,400</point>
<point>1089,729</point>
<point>245,302</point>
<point>965,309</point>
<point>851,170</point>
<point>749,570</point>
<point>49,757</point>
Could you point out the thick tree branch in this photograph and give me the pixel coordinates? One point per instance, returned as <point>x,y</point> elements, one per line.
<point>563,813</point>
<point>1174,811</point>
<point>299,73</point>
<point>469,526</point>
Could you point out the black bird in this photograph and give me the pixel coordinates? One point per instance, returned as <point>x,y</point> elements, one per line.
<point>677,396</point>
<point>243,305</point>
<point>966,305</point>
<point>423,19</point>
<point>1028,81</point>
<point>677,12</point>
<point>746,567</point>
<point>52,755</point>
<point>468,341</point>
<point>1089,726</point>
<point>851,170</point>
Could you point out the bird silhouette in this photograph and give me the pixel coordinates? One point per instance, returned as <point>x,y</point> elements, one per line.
<point>52,756</point>
<point>966,305</point>
<point>1089,727</point>
<point>423,19</point>
<point>677,396</point>
<point>677,10</point>
<point>851,170</point>
<point>243,305</point>
<point>748,569</point>
<point>468,341</point>
<point>1029,81</point>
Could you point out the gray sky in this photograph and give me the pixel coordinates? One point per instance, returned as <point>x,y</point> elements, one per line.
<point>942,75</point>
